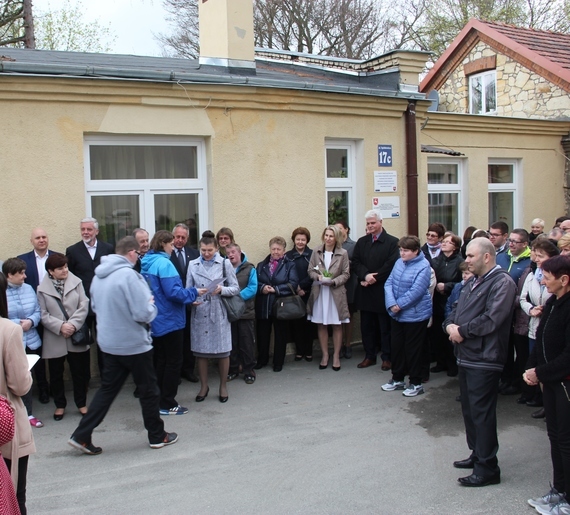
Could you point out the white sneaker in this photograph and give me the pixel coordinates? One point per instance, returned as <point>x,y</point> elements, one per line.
<point>560,508</point>
<point>392,385</point>
<point>551,497</point>
<point>412,390</point>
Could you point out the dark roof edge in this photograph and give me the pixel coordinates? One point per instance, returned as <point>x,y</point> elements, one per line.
<point>99,72</point>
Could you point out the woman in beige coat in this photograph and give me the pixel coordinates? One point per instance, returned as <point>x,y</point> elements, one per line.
<point>60,283</point>
<point>329,269</point>
<point>15,381</point>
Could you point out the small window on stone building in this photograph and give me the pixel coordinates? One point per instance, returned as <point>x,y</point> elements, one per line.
<point>483,93</point>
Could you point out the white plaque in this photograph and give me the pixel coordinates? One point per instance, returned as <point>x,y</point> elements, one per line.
<point>386,182</point>
<point>388,206</point>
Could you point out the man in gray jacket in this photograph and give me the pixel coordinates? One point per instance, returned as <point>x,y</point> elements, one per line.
<point>479,327</point>
<point>124,306</point>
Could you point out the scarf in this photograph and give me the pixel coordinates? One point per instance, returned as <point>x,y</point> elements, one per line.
<point>273,264</point>
<point>58,284</point>
<point>434,249</point>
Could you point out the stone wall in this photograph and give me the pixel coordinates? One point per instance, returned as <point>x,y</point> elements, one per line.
<point>520,92</point>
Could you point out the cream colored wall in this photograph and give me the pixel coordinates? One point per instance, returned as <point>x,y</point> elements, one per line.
<point>535,142</point>
<point>265,152</point>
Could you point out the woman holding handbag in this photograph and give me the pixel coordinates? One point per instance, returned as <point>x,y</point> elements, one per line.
<point>211,334</point>
<point>64,308</point>
<point>329,269</point>
<point>15,381</point>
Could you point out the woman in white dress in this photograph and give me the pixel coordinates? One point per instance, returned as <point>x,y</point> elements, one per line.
<point>329,269</point>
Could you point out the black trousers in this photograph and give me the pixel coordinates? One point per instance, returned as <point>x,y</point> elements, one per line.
<point>264,337</point>
<point>479,391</point>
<point>375,330</point>
<point>117,368</point>
<point>243,347</point>
<point>557,410</point>
<point>167,363</point>
<point>303,334</point>
<point>408,340</point>
<point>442,347</point>
<point>79,366</point>
<point>21,486</point>
<point>188,358</point>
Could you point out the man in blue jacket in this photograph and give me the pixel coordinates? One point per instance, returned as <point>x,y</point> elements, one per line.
<point>478,326</point>
<point>124,306</point>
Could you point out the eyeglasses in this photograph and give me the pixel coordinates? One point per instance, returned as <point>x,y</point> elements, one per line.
<point>495,235</point>
<point>515,242</point>
<point>432,235</point>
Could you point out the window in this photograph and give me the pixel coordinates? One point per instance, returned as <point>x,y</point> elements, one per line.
<point>504,183</point>
<point>153,183</point>
<point>340,159</point>
<point>445,197</point>
<point>483,93</point>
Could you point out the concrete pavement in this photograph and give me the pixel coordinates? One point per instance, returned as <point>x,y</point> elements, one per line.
<point>300,441</point>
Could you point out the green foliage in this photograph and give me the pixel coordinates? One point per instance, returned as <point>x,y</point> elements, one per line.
<point>65,29</point>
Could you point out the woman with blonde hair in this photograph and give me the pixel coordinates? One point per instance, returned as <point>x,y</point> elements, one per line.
<point>329,269</point>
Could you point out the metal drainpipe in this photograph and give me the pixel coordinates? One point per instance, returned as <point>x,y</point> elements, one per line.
<point>412,168</point>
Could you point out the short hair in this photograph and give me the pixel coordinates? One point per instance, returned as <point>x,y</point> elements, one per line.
<point>501,226</point>
<point>373,213</point>
<point>484,245</point>
<point>438,228</point>
<point>468,233</point>
<point>225,231</point>
<point>55,260</point>
<point>480,233</point>
<point>137,230</point>
<point>560,219</point>
<point>456,240</point>
<point>279,241</point>
<point>337,235</point>
<point>233,245</point>
<point>463,266</point>
<point>90,220</point>
<point>557,266</point>
<point>564,241</point>
<point>538,221</point>
<point>301,230</point>
<point>181,226</point>
<point>344,223</point>
<point>410,242</point>
<point>208,238</point>
<point>3,299</point>
<point>546,246</point>
<point>13,266</point>
<point>126,244</point>
<point>523,233</point>
<point>160,239</point>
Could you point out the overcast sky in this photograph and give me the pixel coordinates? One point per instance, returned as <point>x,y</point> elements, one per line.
<point>133,22</point>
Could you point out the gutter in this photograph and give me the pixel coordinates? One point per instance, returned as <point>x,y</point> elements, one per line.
<point>412,168</point>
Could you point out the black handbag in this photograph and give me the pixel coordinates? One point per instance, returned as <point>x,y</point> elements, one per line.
<point>291,307</point>
<point>82,335</point>
<point>235,305</point>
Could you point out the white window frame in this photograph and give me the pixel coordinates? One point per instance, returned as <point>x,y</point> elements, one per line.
<point>460,188</point>
<point>347,184</point>
<point>147,188</point>
<point>484,76</point>
<point>514,187</point>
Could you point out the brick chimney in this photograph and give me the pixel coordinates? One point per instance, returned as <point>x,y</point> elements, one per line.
<point>226,35</point>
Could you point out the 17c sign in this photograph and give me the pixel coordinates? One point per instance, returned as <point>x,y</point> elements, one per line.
<point>384,155</point>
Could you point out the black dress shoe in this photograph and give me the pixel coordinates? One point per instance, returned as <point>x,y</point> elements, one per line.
<point>510,390</point>
<point>534,403</point>
<point>277,368</point>
<point>193,378</point>
<point>200,398</point>
<point>538,414</point>
<point>522,400</point>
<point>44,396</point>
<point>336,369</point>
<point>298,358</point>
<point>58,417</point>
<point>259,366</point>
<point>308,359</point>
<point>464,464</point>
<point>475,480</point>
<point>322,367</point>
<point>224,399</point>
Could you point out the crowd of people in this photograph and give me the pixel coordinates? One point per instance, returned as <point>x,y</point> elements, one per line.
<point>490,308</point>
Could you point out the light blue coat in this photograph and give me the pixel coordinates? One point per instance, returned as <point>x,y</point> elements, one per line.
<point>22,304</point>
<point>408,287</point>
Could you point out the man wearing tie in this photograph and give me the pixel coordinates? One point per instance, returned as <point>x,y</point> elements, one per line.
<point>83,258</point>
<point>35,270</point>
<point>180,257</point>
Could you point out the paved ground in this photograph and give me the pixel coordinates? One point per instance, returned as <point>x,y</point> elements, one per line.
<point>300,441</point>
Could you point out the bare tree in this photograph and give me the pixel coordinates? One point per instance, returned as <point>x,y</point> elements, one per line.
<point>16,23</point>
<point>183,16</point>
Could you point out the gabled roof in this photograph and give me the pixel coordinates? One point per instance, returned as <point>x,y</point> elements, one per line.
<point>543,52</point>
<point>269,73</point>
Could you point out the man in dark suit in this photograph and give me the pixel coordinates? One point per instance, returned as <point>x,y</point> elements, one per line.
<point>35,270</point>
<point>82,259</point>
<point>141,235</point>
<point>373,259</point>
<point>180,257</point>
